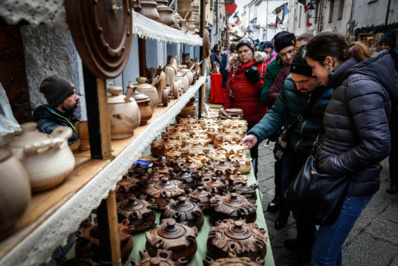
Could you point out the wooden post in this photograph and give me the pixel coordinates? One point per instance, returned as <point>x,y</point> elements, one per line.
<point>97,115</point>
<point>201,30</point>
<point>108,224</point>
<point>142,56</point>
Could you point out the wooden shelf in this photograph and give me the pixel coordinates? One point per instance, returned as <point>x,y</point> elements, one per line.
<point>54,214</point>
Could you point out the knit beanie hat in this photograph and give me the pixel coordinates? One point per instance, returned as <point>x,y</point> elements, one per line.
<point>284,39</point>
<point>299,65</point>
<point>246,41</point>
<point>269,44</point>
<point>389,38</point>
<point>56,90</point>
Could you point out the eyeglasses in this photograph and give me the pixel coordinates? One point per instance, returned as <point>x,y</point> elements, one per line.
<point>288,52</point>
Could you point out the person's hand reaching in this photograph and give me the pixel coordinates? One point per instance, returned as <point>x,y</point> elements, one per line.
<point>249,141</point>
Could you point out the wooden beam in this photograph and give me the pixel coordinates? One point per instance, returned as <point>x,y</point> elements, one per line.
<point>142,56</point>
<point>201,30</point>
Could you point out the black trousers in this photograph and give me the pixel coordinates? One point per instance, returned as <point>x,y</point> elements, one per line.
<point>254,149</point>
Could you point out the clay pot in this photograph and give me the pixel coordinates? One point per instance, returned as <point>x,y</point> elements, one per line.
<point>165,13</point>
<point>234,122</point>
<point>201,196</point>
<point>232,206</point>
<point>187,73</point>
<point>176,237</point>
<point>160,147</point>
<point>88,240</point>
<point>249,192</point>
<point>124,113</point>
<point>149,90</point>
<point>47,159</point>
<point>233,262</point>
<point>237,177</point>
<point>214,185</point>
<point>233,148</point>
<point>143,102</point>
<point>226,137</point>
<point>14,191</point>
<point>139,212</point>
<point>136,6</point>
<point>184,6</point>
<point>159,76</point>
<point>183,210</point>
<point>164,190</point>
<point>225,169</point>
<point>187,177</point>
<point>245,164</point>
<point>162,258</point>
<point>231,238</point>
<point>127,187</point>
<point>148,9</point>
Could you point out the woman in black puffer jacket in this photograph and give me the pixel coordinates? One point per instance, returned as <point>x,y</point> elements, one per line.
<point>356,134</point>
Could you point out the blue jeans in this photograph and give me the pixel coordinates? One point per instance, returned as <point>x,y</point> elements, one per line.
<point>330,239</point>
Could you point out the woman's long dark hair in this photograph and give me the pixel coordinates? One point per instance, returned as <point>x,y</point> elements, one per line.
<point>333,44</point>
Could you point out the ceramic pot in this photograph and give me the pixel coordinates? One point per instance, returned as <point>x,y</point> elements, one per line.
<point>214,185</point>
<point>233,261</point>
<point>184,6</point>
<point>183,210</point>
<point>128,186</point>
<point>148,9</point>
<point>164,190</point>
<point>188,74</point>
<point>233,148</point>
<point>231,238</point>
<point>201,196</point>
<point>149,90</point>
<point>136,6</point>
<point>154,73</point>
<point>89,237</point>
<point>14,191</point>
<point>124,113</point>
<point>176,237</point>
<point>165,13</point>
<point>184,81</point>
<point>47,159</point>
<point>241,187</point>
<point>143,103</point>
<point>162,258</point>
<point>139,212</point>
<point>232,206</point>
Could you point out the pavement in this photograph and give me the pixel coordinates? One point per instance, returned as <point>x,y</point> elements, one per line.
<point>373,240</point>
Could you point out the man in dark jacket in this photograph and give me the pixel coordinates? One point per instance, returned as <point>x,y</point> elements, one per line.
<point>62,102</point>
<point>215,57</point>
<point>298,89</point>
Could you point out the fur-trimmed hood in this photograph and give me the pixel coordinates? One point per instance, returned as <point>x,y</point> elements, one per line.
<point>259,57</point>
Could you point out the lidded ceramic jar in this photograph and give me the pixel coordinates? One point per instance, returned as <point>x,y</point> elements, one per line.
<point>127,187</point>
<point>237,177</point>
<point>139,212</point>
<point>245,261</point>
<point>14,191</point>
<point>231,238</point>
<point>160,147</point>
<point>214,185</point>
<point>187,73</point>
<point>183,210</point>
<point>173,236</point>
<point>143,102</point>
<point>165,13</point>
<point>245,164</point>
<point>235,122</point>
<point>187,177</point>
<point>149,90</point>
<point>226,137</point>
<point>148,9</point>
<point>249,192</point>
<point>201,196</point>
<point>124,113</point>
<point>46,158</point>
<point>162,258</point>
<point>224,169</point>
<point>232,206</point>
<point>164,190</point>
<point>233,148</point>
<point>88,240</point>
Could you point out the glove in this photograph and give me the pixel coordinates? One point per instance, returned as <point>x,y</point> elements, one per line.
<point>252,75</point>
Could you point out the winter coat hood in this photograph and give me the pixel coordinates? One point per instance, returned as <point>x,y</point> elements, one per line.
<point>380,67</point>
<point>259,57</point>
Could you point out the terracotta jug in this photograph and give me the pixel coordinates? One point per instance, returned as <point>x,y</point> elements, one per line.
<point>149,90</point>
<point>179,238</point>
<point>124,113</point>
<point>143,102</point>
<point>14,191</point>
<point>47,159</point>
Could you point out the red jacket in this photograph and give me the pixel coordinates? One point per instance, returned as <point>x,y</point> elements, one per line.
<point>241,93</point>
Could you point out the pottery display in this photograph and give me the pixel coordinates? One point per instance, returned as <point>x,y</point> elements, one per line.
<point>139,212</point>
<point>162,258</point>
<point>165,13</point>
<point>46,158</point>
<point>148,9</point>
<point>233,148</point>
<point>187,73</point>
<point>124,113</point>
<point>149,90</point>
<point>184,210</point>
<point>164,190</point>
<point>231,238</point>
<point>143,102</point>
<point>89,238</point>
<point>195,15</point>
<point>157,73</point>
<point>232,206</point>
<point>214,185</point>
<point>249,192</point>
<point>14,191</point>
<point>127,187</point>
<point>236,261</point>
<point>184,6</point>
<point>201,196</point>
<point>176,237</point>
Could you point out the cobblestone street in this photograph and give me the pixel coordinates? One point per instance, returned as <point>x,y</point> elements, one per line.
<point>373,240</point>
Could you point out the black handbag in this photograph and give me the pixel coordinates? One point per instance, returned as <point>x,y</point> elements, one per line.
<point>316,197</point>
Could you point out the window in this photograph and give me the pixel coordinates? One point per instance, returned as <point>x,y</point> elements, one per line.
<point>331,11</point>
<point>299,20</point>
<point>341,8</point>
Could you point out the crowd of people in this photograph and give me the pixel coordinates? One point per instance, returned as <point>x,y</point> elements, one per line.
<point>323,88</point>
